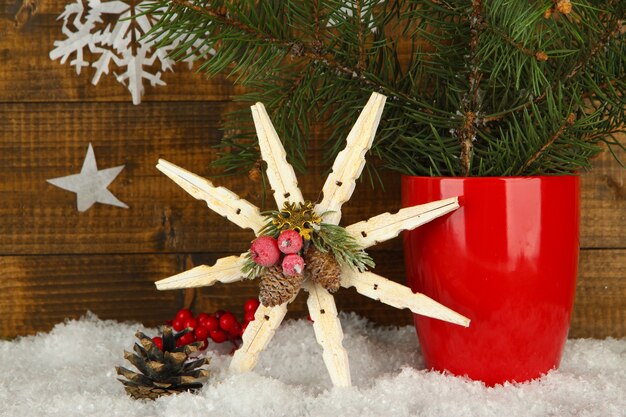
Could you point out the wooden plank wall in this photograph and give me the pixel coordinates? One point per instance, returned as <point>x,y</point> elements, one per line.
<point>56,262</point>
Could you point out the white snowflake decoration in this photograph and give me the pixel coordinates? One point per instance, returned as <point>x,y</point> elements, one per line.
<point>337,189</point>
<point>112,31</point>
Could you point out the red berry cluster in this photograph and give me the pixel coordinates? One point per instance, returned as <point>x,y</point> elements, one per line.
<point>266,251</point>
<point>220,326</point>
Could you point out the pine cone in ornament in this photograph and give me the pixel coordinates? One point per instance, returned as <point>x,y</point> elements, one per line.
<point>276,288</point>
<point>323,268</point>
<point>162,372</point>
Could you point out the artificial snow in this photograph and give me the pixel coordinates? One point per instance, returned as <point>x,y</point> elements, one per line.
<point>71,372</point>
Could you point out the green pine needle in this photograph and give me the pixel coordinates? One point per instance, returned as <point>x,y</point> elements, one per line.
<point>479,88</point>
<point>251,269</point>
<point>269,229</point>
<point>336,240</point>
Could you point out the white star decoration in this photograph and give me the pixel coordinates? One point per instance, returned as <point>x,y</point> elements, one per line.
<point>337,190</point>
<point>90,185</point>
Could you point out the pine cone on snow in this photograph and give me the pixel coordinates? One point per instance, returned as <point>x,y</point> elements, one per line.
<point>276,288</point>
<point>323,268</point>
<point>162,372</point>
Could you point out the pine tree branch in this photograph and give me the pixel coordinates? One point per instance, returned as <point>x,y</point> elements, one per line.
<point>297,49</point>
<point>294,86</point>
<point>609,35</point>
<point>360,37</point>
<point>314,60</point>
<point>599,136</point>
<point>467,132</point>
<point>598,47</point>
<point>317,43</point>
<point>509,40</point>
<point>514,110</point>
<point>223,19</point>
<point>569,121</point>
<point>444,4</point>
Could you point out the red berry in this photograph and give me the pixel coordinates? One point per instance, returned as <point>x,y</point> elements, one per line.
<point>191,322</point>
<point>158,341</point>
<point>201,333</point>
<point>243,328</point>
<point>293,265</point>
<point>212,323</point>
<point>289,241</point>
<point>205,344</point>
<point>251,305</point>
<point>218,314</point>
<point>249,317</point>
<point>178,325</point>
<point>183,314</point>
<point>186,339</point>
<point>227,321</point>
<point>264,251</point>
<point>202,318</point>
<point>235,330</point>
<point>218,336</point>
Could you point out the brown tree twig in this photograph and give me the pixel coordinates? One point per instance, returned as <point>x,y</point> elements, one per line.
<point>318,46</point>
<point>614,131</point>
<point>360,36</point>
<point>506,38</point>
<point>569,121</point>
<point>467,132</point>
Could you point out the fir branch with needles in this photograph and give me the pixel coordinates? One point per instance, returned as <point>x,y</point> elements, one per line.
<point>476,87</point>
<point>270,229</point>
<point>336,240</point>
<point>250,269</point>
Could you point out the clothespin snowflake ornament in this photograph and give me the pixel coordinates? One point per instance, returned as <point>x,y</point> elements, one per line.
<point>111,32</point>
<point>301,245</point>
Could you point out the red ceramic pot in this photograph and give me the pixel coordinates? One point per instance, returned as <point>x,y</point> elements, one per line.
<point>508,260</point>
